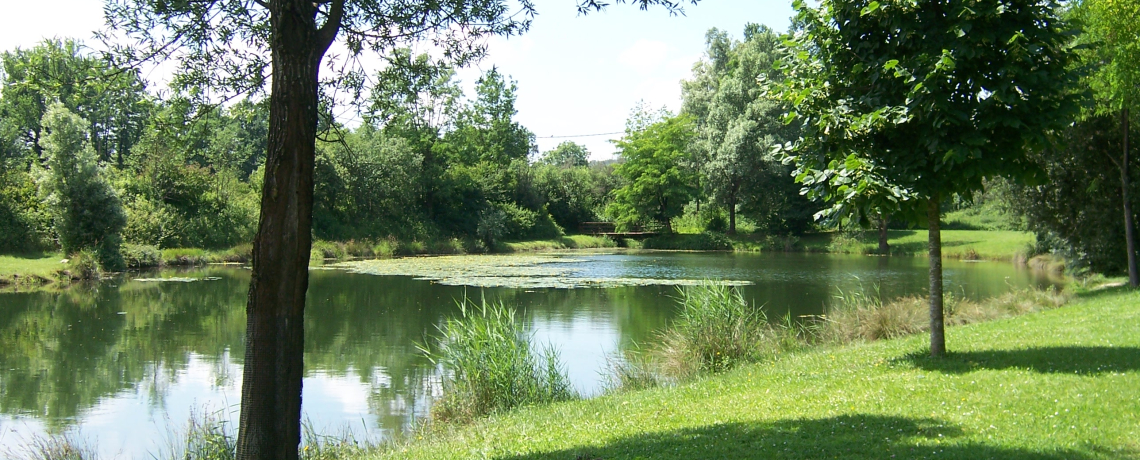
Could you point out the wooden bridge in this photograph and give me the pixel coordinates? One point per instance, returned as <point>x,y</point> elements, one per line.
<point>609,229</point>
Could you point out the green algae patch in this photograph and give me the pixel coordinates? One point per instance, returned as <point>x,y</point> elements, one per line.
<point>176,279</point>
<point>531,271</point>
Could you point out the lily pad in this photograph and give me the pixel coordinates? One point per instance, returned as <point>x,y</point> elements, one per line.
<point>176,279</point>
<point>528,271</point>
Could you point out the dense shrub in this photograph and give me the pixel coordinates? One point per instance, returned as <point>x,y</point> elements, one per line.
<point>84,265</point>
<point>707,241</point>
<point>24,224</point>
<point>85,210</point>
<point>141,256</point>
<point>1078,211</point>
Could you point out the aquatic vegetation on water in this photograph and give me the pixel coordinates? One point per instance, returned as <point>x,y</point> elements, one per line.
<point>510,271</point>
<point>176,279</point>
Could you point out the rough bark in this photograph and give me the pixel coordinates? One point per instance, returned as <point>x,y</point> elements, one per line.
<point>270,424</point>
<point>937,331</point>
<point>1130,240</point>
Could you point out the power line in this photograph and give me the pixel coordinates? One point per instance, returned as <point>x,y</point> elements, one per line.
<point>581,135</point>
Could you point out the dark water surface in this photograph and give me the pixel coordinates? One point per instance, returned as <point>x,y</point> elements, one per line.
<point>125,363</point>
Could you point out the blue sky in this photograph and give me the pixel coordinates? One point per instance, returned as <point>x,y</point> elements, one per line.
<point>576,74</point>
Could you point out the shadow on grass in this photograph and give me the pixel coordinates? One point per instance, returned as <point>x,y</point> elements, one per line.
<point>1107,291</point>
<point>1046,360</point>
<point>28,255</point>
<point>847,436</point>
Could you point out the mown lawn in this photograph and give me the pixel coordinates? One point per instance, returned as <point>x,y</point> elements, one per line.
<point>36,265</point>
<point>981,244</point>
<point>1063,384</point>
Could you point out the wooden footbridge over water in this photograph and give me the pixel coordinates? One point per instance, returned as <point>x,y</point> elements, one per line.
<point>609,229</point>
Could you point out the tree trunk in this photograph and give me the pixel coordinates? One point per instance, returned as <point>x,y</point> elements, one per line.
<point>884,247</point>
<point>732,216</point>
<point>937,331</point>
<point>1125,182</point>
<point>270,425</point>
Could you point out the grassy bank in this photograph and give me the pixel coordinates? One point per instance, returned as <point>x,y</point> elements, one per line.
<point>32,269</point>
<point>956,244</point>
<point>565,242</point>
<point>1060,384</point>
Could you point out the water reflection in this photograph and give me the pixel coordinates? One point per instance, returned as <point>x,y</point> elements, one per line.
<point>126,361</point>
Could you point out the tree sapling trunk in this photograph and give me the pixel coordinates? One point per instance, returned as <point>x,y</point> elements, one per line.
<point>937,331</point>
<point>1130,240</point>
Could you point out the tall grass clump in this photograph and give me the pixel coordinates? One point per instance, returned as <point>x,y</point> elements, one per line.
<point>715,331</point>
<point>207,437</point>
<point>327,250</point>
<point>633,370</point>
<point>141,255</point>
<point>490,365</point>
<point>316,446</point>
<point>62,446</point>
<point>861,315</point>
<point>84,265</point>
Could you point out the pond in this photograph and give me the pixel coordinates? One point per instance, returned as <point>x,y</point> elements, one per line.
<point>125,362</point>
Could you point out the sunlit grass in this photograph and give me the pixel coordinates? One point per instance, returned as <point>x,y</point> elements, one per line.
<point>1058,384</point>
<point>44,266</point>
<point>565,242</point>
<point>956,244</point>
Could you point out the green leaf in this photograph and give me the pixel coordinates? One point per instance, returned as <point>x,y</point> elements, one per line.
<point>870,8</point>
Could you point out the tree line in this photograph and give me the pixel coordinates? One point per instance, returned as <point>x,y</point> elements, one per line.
<point>888,109</point>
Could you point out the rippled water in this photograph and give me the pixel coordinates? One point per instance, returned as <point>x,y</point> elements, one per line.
<point>124,363</point>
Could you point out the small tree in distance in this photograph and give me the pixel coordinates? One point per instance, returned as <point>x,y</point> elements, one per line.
<point>567,154</point>
<point>657,185</point>
<point>86,211</point>
<point>924,96</point>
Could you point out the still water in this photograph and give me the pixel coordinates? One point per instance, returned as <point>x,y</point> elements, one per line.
<point>124,363</point>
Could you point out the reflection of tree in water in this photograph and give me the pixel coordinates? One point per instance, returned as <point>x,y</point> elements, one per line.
<point>61,352</point>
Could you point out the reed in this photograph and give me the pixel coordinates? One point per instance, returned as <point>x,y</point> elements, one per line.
<point>490,364</point>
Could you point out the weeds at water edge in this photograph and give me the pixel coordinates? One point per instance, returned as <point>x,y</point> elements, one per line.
<point>490,365</point>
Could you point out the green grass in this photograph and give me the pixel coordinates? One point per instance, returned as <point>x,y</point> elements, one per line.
<point>1060,384</point>
<point>956,244</point>
<point>35,268</point>
<point>565,242</point>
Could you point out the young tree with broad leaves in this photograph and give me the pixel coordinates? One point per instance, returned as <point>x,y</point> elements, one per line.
<point>930,97</point>
<point>1112,31</point>
<point>657,183</point>
<point>227,47</point>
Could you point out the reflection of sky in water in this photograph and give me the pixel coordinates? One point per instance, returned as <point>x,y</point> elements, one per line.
<point>583,344</point>
<point>364,327</point>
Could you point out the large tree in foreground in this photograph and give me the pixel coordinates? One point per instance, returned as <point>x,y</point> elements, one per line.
<point>224,47</point>
<point>926,96</point>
